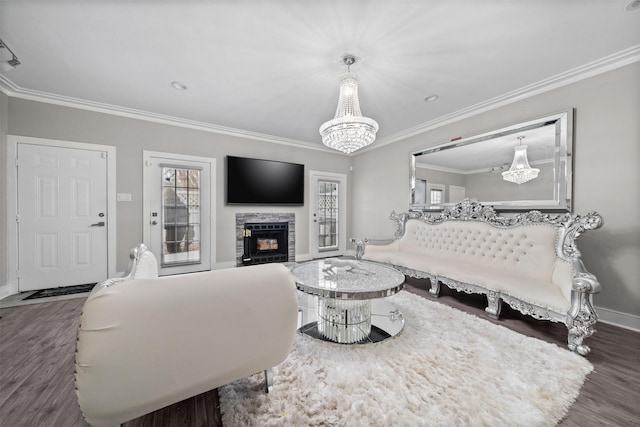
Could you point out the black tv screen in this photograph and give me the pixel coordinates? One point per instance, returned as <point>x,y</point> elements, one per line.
<point>264,182</point>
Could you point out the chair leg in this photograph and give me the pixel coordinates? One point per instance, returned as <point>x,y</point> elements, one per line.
<point>435,287</point>
<point>494,305</point>
<point>268,380</point>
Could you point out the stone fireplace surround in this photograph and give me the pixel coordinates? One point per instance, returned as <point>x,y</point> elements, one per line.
<point>261,217</point>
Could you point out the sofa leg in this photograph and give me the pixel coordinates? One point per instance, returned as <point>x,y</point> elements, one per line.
<point>494,305</point>
<point>581,327</point>
<point>435,287</point>
<point>268,380</point>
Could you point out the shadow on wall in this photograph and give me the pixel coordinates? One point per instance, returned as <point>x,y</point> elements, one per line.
<point>601,250</point>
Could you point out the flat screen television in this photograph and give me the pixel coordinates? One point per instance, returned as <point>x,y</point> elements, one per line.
<point>264,182</point>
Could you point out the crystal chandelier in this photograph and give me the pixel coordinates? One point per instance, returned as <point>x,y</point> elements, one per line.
<point>520,171</point>
<point>348,131</point>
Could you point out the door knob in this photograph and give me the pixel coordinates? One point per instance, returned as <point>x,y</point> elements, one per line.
<point>98,224</point>
<point>154,222</point>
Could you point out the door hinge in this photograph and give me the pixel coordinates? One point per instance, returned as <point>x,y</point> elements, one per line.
<point>17,274</point>
<point>104,155</point>
<point>17,218</point>
<point>17,162</point>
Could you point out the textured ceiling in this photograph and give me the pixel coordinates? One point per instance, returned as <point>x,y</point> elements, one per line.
<point>270,68</point>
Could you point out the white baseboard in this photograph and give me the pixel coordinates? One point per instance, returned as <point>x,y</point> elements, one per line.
<point>617,318</point>
<point>303,257</point>
<point>223,265</point>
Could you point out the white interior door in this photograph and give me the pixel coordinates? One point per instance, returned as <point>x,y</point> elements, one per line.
<point>456,193</point>
<point>328,221</point>
<point>62,224</point>
<point>179,195</point>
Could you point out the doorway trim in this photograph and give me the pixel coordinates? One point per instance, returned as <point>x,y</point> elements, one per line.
<point>12,201</point>
<point>146,196</point>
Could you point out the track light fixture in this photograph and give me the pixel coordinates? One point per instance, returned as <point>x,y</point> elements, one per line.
<point>11,63</point>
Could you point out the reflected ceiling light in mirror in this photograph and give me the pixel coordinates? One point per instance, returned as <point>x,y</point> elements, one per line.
<point>348,131</point>
<point>520,171</point>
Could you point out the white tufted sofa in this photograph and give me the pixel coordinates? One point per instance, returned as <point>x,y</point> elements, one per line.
<point>146,342</point>
<point>529,261</point>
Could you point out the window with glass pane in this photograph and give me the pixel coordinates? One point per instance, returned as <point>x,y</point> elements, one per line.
<point>327,215</point>
<point>436,197</point>
<point>181,216</point>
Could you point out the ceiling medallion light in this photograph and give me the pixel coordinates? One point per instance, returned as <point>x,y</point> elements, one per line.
<point>348,131</point>
<point>520,171</point>
<point>11,63</point>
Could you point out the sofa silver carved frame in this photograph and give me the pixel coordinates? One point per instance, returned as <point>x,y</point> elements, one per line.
<point>581,317</point>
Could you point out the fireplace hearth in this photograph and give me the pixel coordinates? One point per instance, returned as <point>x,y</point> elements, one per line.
<point>265,242</point>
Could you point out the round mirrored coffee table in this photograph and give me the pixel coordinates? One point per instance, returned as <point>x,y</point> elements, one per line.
<point>343,300</point>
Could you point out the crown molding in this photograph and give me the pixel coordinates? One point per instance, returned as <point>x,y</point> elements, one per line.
<point>14,91</point>
<point>600,66</point>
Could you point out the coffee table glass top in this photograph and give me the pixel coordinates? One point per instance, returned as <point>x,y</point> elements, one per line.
<point>347,279</point>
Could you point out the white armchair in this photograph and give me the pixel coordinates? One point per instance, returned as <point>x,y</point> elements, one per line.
<point>146,342</point>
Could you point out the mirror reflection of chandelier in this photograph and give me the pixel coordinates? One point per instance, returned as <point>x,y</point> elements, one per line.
<point>348,131</point>
<point>520,171</point>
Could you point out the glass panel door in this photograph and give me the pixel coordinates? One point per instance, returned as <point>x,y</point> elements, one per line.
<point>181,216</point>
<point>328,205</point>
<point>327,214</point>
<point>179,205</point>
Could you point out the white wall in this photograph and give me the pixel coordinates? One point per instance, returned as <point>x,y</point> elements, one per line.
<point>4,107</point>
<point>606,174</point>
<point>132,136</point>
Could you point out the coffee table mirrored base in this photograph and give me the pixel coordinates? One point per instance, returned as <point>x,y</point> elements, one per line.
<point>348,321</point>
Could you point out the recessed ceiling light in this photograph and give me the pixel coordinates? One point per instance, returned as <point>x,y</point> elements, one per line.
<point>178,86</point>
<point>633,5</point>
<point>433,97</point>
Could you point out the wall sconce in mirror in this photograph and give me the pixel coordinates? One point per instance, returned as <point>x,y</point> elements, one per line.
<point>479,167</point>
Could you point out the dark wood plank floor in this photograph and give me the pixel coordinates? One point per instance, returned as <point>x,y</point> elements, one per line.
<point>37,344</point>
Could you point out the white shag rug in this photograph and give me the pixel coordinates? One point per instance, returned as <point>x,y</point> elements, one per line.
<point>446,368</point>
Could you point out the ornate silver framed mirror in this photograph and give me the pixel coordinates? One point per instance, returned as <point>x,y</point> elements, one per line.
<point>520,167</point>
